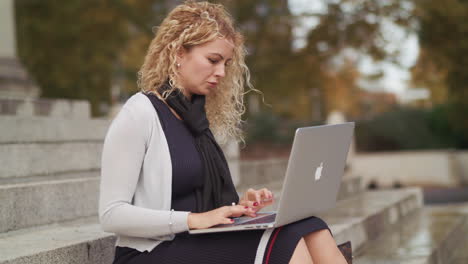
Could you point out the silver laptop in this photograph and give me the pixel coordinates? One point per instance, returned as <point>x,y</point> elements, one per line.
<point>313,177</point>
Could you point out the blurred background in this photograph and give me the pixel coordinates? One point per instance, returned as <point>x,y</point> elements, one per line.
<point>395,67</point>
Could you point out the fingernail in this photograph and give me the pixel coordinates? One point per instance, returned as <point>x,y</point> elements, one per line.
<point>255,204</point>
<point>232,220</point>
<point>246,207</point>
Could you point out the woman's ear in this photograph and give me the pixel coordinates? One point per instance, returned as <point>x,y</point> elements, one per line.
<point>181,53</point>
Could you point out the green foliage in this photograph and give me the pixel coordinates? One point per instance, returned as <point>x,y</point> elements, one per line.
<point>411,129</point>
<point>450,122</point>
<point>263,127</point>
<point>268,128</point>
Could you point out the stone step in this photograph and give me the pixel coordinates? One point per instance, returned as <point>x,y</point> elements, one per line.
<point>363,217</point>
<point>47,199</point>
<point>350,185</point>
<point>46,129</point>
<point>427,236</point>
<point>29,159</point>
<point>82,241</point>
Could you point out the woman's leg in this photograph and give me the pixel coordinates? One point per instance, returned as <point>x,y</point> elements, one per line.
<point>323,248</point>
<point>301,254</point>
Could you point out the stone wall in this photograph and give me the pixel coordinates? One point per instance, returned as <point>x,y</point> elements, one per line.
<point>435,168</point>
<point>76,109</point>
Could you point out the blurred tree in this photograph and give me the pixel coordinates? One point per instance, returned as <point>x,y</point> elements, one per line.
<point>341,91</point>
<point>143,16</point>
<point>70,48</point>
<point>346,26</point>
<point>426,73</point>
<point>442,64</point>
<point>308,83</point>
<point>79,49</point>
<point>267,27</point>
<point>443,37</point>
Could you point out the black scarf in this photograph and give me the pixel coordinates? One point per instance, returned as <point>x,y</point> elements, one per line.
<point>218,188</point>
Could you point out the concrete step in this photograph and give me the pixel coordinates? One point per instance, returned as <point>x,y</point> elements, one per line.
<point>76,242</point>
<point>358,219</point>
<point>427,236</point>
<point>365,216</point>
<point>29,159</point>
<point>47,199</point>
<point>350,185</point>
<point>46,129</point>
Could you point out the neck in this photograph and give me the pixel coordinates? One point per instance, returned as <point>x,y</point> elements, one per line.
<point>188,95</point>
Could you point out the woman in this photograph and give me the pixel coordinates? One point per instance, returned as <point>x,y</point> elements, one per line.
<point>163,172</point>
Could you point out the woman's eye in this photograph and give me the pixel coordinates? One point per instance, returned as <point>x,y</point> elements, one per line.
<point>213,61</point>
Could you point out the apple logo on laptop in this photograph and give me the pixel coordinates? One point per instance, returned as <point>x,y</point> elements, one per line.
<point>318,172</point>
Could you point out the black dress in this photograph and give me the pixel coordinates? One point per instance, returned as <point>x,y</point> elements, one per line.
<point>229,247</point>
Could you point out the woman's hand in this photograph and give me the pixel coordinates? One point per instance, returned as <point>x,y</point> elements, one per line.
<point>257,199</point>
<point>217,216</point>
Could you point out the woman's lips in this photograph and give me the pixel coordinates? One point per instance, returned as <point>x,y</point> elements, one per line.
<point>213,84</point>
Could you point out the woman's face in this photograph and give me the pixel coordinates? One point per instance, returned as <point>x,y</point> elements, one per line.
<point>203,66</point>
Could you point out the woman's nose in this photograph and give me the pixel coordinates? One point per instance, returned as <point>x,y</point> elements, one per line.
<point>220,71</point>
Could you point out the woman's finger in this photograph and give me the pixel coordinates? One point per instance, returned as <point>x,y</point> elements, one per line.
<point>269,194</point>
<point>258,197</point>
<point>250,203</point>
<point>251,194</point>
<point>227,221</point>
<point>264,194</point>
<point>235,211</point>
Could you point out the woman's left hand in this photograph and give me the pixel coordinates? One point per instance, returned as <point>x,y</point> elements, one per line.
<point>257,199</point>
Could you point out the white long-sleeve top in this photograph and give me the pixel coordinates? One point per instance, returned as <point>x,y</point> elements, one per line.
<point>136,179</point>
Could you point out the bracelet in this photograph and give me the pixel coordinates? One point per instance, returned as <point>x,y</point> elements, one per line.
<point>170,221</point>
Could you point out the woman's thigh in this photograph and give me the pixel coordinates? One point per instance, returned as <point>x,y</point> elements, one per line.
<point>282,245</point>
<point>229,247</point>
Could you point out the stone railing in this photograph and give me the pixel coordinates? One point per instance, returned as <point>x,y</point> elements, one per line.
<point>437,168</point>
<point>45,107</point>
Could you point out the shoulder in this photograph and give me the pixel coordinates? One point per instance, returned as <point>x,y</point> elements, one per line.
<point>139,104</point>
<point>137,113</point>
<point>137,119</point>
<point>140,108</point>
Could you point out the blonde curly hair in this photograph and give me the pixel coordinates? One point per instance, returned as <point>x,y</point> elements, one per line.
<point>187,25</point>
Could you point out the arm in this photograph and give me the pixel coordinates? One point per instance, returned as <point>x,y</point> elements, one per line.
<point>123,154</point>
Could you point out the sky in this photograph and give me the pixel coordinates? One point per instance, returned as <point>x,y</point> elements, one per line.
<point>395,77</point>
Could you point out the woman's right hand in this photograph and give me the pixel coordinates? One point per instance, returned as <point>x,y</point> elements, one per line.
<point>217,216</point>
